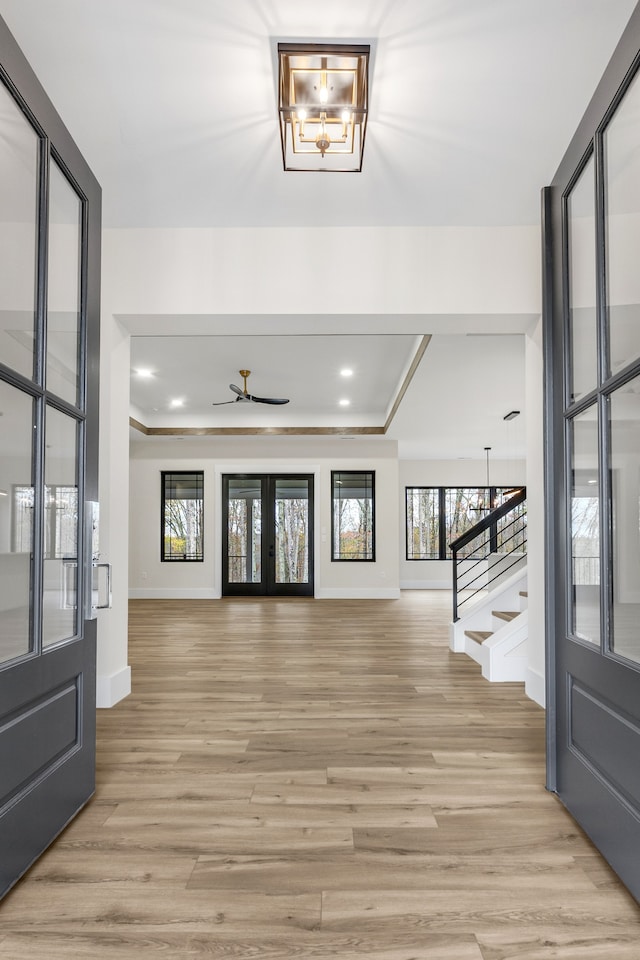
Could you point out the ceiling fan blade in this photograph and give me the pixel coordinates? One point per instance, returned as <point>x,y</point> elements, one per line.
<point>265,399</point>
<point>242,395</point>
<point>221,403</point>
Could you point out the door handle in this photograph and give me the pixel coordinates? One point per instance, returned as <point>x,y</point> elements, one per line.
<point>109,599</point>
<point>69,583</point>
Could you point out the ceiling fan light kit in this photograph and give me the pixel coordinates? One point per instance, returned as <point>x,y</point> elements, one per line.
<point>323,91</point>
<point>243,394</point>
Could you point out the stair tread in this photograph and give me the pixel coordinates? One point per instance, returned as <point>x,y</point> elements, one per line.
<point>478,635</point>
<point>505,614</point>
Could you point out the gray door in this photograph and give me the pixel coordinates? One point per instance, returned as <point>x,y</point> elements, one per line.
<point>592,345</point>
<point>49,299</point>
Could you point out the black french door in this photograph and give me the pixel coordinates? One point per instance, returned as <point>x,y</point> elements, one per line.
<point>592,376</point>
<point>49,354</point>
<point>267,524</point>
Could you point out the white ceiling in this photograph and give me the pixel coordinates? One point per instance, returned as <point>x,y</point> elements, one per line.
<point>473,103</point>
<point>306,370</point>
<point>173,102</point>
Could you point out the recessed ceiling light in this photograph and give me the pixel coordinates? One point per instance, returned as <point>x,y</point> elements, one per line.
<point>347,372</point>
<point>344,403</point>
<point>177,403</point>
<point>142,372</point>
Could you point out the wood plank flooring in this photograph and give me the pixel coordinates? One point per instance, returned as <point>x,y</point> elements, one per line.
<point>317,779</point>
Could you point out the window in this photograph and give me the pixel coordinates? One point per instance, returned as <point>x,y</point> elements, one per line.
<point>182,515</point>
<point>353,515</point>
<point>437,515</point>
<point>423,523</point>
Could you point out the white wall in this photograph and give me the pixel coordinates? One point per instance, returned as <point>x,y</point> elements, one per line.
<point>149,577</point>
<point>535,683</point>
<point>424,270</point>
<point>113,672</point>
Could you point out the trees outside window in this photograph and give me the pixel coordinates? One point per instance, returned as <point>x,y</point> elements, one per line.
<point>353,515</point>
<point>182,515</point>
<point>435,516</point>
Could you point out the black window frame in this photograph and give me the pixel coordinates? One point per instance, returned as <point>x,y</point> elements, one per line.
<point>371,474</point>
<point>199,485</point>
<point>494,493</point>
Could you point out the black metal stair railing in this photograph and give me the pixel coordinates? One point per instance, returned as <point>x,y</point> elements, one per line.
<point>502,534</point>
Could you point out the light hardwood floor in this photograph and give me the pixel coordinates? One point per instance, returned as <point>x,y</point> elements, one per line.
<point>317,779</point>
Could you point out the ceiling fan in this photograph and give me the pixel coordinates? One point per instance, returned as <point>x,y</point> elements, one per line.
<point>243,394</point>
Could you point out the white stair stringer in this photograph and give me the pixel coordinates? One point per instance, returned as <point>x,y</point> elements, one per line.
<point>502,654</point>
<point>505,659</point>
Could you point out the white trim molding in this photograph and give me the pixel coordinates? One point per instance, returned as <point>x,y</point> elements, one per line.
<point>425,584</point>
<point>111,689</point>
<point>534,687</point>
<point>173,593</point>
<point>357,593</point>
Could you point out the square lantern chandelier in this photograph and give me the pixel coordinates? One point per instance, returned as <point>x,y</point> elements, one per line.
<point>323,94</point>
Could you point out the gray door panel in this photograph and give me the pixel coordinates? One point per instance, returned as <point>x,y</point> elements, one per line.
<point>592,374</point>
<point>49,361</point>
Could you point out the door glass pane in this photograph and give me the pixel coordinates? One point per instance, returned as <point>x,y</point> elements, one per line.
<point>622,181</point>
<point>63,315</point>
<point>584,606</point>
<point>19,151</point>
<point>625,484</point>
<point>16,521</point>
<point>581,226</point>
<point>292,530</point>
<point>61,540</point>
<point>244,528</point>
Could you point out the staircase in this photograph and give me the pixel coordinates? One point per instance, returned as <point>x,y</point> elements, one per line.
<point>490,619</point>
<point>495,633</point>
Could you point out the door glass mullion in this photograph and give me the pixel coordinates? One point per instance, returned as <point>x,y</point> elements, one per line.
<point>42,254</point>
<point>601,262</point>
<point>606,529</point>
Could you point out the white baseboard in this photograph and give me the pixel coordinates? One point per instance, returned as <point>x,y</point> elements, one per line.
<point>358,593</point>
<point>110,690</point>
<point>173,593</point>
<point>534,687</point>
<point>425,584</point>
